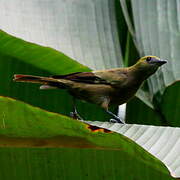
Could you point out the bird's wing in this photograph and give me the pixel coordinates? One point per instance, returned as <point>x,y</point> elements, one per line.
<point>111,77</point>
<point>115,76</point>
<point>83,77</point>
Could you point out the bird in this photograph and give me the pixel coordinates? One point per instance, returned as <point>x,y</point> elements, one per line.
<point>106,88</point>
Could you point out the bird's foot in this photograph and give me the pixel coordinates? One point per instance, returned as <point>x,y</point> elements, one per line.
<point>75,115</point>
<point>118,120</point>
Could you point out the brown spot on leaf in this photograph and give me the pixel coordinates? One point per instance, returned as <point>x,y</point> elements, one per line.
<point>98,129</point>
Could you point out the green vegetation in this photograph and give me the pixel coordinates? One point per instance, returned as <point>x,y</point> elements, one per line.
<point>37,138</point>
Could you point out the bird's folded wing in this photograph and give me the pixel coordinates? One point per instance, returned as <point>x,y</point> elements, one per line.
<point>113,76</point>
<point>83,77</point>
<point>95,77</point>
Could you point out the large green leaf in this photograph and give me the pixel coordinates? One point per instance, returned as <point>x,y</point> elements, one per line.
<point>25,126</point>
<point>171,104</point>
<point>162,142</point>
<point>68,164</point>
<point>41,57</point>
<point>84,30</point>
<point>138,112</point>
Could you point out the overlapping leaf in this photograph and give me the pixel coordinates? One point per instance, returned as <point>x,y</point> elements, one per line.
<point>84,30</point>
<point>22,125</point>
<point>162,142</point>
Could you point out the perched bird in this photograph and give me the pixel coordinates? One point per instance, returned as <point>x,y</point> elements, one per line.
<point>103,87</point>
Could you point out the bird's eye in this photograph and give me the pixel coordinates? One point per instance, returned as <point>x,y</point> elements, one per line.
<point>148,59</point>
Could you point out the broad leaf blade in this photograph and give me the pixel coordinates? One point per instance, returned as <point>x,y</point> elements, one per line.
<point>41,57</point>
<point>84,30</point>
<point>28,126</point>
<point>72,163</point>
<point>162,142</point>
<point>138,112</point>
<point>171,104</point>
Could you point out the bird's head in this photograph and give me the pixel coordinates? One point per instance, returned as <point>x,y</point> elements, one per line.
<point>149,64</point>
<point>151,61</point>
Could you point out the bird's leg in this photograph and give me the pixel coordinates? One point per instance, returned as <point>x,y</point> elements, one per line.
<point>116,118</point>
<point>74,114</point>
<point>105,105</point>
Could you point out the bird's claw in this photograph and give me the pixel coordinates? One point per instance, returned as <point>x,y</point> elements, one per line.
<point>75,115</point>
<point>116,121</point>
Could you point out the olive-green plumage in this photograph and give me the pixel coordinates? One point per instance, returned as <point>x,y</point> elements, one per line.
<point>104,87</point>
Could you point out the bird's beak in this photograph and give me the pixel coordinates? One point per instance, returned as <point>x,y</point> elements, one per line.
<point>160,62</point>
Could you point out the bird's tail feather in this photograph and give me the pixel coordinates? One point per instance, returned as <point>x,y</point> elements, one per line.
<point>30,78</point>
<point>46,81</point>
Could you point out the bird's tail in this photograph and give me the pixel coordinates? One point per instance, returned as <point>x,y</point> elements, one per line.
<point>47,82</point>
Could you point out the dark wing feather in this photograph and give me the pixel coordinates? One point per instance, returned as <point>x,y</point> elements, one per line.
<point>83,77</point>
<point>66,76</point>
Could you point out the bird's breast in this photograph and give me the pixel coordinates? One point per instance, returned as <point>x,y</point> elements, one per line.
<point>122,95</point>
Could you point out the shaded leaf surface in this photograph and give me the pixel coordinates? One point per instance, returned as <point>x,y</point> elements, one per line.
<point>44,58</point>
<point>25,122</point>
<point>68,164</point>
